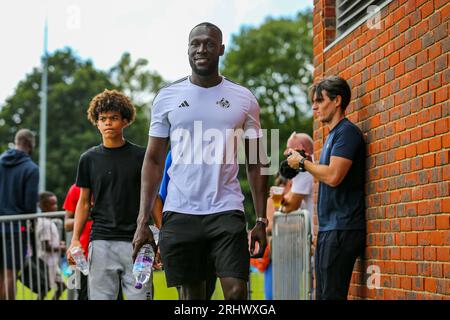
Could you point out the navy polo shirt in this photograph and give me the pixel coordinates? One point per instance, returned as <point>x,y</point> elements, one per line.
<point>343,207</point>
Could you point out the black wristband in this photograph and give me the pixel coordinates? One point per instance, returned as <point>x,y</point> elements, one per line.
<point>301,164</point>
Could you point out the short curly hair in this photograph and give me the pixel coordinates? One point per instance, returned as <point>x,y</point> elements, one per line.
<point>111,100</point>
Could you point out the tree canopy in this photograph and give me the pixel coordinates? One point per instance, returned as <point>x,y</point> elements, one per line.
<point>72,83</point>
<point>275,61</point>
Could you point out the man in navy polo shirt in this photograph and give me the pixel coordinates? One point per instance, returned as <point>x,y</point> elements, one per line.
<point>341,204</point>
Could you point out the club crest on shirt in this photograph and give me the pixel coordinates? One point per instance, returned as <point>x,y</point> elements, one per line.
<point>224,103</point>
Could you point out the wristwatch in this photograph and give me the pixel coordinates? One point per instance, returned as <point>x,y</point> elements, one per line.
<point>263,220</point>
<point>301,164</point>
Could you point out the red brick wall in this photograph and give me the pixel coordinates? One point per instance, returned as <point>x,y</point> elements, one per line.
<point>399,77</point>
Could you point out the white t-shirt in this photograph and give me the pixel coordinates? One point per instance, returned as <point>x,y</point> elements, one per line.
<point>202,124</point>
<point>302,184</point>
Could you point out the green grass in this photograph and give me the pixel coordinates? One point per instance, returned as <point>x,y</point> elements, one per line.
<point>23,293</point>
<point>164,293</point>
<point>257,285</point>
<point>161,290</point>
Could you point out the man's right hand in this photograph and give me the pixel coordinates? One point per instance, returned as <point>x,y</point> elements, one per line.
<point>157,264</point>
<point>73,244</point>
<point>143,235</point>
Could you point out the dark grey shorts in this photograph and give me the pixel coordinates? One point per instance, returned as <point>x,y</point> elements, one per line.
<point>193,246</point>
<point>13,248</point>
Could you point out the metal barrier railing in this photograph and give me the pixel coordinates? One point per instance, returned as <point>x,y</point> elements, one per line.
<point>291,256</point>
<point>29,255</point>
<point>21,248</point>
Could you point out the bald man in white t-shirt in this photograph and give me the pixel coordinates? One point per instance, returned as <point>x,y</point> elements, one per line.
<point>301,194</point>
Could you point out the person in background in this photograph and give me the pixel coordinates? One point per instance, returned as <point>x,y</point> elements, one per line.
<point>49,243</point>
<point>19,180</point>
<point>70,205</point>
<point>341,201</point>
<point>280,181</point>
<point>301,194</point>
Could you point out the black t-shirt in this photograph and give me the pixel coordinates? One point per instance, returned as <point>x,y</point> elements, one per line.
<point>343,207</point>
<point>114,177</point>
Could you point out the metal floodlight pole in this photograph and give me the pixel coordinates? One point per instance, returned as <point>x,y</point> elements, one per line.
<point>43,114</point>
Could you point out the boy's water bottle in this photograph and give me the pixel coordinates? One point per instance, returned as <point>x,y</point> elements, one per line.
<point>142,269</point>
<point>80,260</point>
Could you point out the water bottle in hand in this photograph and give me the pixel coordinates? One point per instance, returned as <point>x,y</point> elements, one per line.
<point>155,232</point>
<point>142,269</point>
<point>80,260</point>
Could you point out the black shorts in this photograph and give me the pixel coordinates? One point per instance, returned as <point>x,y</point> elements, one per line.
<point>10,253</point>
<point>193,246</point>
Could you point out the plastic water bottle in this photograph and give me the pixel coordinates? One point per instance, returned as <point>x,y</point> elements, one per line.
<point>142,269</point>
<point>80,260</point>
<point>143,265</point>
<point>155,232</point>
<point>65,267</point>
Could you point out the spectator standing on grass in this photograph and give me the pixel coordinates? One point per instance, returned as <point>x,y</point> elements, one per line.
<point>300,195</point>
<point>203,212</point>
<point>110,173</point>
<point>19,180</point>
<point>341,202</point>
<point>280,181</point>
<point>49,244</point>
<point>70,205</point>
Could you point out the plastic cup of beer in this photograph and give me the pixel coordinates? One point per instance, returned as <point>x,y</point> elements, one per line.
<point>277,196</point>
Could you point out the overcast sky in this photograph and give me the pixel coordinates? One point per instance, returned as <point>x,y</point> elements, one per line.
<point>102,30</point>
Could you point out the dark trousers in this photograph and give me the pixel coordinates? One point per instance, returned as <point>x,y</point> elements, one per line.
<point>336,253</point>
<point>83,292</point>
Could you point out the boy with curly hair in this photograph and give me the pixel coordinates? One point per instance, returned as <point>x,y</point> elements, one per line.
<point>111,173</point>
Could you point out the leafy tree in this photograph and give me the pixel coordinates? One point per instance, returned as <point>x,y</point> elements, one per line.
<point>140,85</point>
<point>72,83</point>
<point>275,62</point>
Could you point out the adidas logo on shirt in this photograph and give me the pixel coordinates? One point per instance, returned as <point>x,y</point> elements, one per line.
<point>183,104</point>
